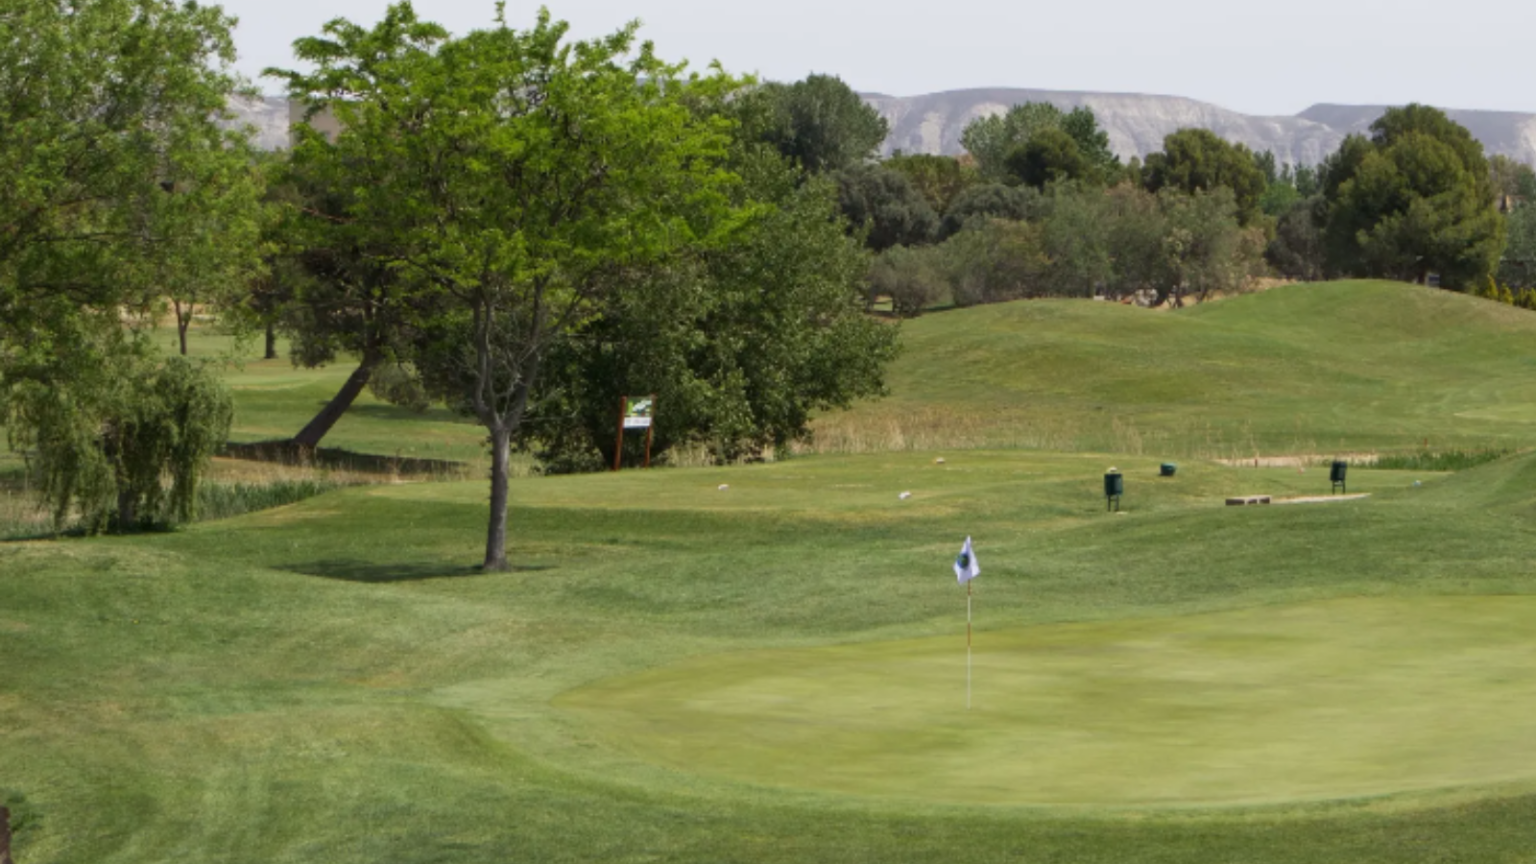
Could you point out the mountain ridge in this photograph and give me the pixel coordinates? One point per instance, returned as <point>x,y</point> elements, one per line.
<point>1137,123</point>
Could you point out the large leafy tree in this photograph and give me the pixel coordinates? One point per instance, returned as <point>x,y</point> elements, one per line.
<point>885,206</point>
<point>1207,251</point>
<point>939,178</point>
<point>515,176</point>
<point>1517,268</point>
<point>819,122</point>
<point>1513,179</point>
<point>740,342</point>
<point>1050,156</point>
<point>989,201</point>
<point>121,186</point>
<point>118,176</point>
<point>1076,231</point>
<point>342,293</point>
<point>995,260</point>
<point>1199,160</point>
<point>1416,198</point>
<point>1297,251</point>
<point>992,139</point>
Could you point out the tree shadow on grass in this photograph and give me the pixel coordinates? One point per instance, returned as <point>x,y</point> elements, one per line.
<point>379,572</point>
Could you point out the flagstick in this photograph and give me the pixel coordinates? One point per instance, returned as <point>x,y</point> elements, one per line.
<point>967,646</point>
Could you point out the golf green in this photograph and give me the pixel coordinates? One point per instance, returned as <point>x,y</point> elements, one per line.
<point>1346,698</point>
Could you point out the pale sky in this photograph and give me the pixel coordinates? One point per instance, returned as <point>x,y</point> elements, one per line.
<point>1273,58</point>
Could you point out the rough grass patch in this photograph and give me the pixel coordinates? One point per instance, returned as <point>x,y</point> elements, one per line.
<point>224,500</point>
<point>1437,460</point>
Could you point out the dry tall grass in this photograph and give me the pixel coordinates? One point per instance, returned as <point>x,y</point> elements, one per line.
<point>934,429</point>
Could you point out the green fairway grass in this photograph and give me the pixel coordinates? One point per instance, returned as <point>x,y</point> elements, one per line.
<point>1271,704</point>
<point>1318,369</point>
<point>274,399</point>
<point>332,681</point>
<point>765,663</point>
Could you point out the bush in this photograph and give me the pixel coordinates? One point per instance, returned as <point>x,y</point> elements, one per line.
<point>910,277</point>
<point>106,446</point>
<point>994,261</point>
<point>398,384</point>
<point>991,201</point>
<point>885,205</point>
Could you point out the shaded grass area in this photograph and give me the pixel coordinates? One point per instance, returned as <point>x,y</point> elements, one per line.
<point>1301,369</point>
<point>274,399</point>
<point>330,681</point>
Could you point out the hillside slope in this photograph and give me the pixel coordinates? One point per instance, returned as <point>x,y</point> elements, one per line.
<point>1347,366</point>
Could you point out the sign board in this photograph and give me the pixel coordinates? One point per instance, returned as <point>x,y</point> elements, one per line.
<point>637,411</point>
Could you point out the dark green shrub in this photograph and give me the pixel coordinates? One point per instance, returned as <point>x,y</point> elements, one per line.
<point>126,453</point>
<point>398,384</point>
<point>910,277</point>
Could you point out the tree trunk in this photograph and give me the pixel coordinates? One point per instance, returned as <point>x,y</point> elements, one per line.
<point>5,836</point>
<point>127,511</point>
<point>496,535</point>
<point>311,434</point>
<point>271,352</point>
<point>181,324</point>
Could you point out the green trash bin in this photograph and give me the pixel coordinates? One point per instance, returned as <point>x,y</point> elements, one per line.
<point>1338,474</point>
<point>1114,487</point>
<point>1169,469</point>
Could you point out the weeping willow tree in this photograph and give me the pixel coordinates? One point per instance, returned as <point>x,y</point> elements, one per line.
<point>126,452</point>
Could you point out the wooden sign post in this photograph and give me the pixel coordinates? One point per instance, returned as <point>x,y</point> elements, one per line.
<point>635,412</point>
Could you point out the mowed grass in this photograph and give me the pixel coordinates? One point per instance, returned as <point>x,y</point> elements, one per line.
<point>773,671</point>
<point>1339,367</point>
<point>332,681</point>
<point>274,400</point>
<point>1272,704</point>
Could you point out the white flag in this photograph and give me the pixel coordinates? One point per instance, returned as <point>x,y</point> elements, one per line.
<point>966,568</point>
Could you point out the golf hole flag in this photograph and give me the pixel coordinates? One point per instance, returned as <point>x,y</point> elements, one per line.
<point>966,568</point>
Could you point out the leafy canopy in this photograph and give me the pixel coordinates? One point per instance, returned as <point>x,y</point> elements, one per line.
<point>515,178</point>
<point>1413,199</point>
<point>938,178</point>
<point>121,187</point>
<point>992,139</point>
<point>740,342</point>
<point>885,206</point>
<point>1199,160</point>
<point>818,123</point>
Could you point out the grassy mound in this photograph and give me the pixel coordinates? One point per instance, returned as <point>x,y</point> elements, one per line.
<point>1336,367</point>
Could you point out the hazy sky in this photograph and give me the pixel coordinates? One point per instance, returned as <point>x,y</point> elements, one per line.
<point>1273,58</point>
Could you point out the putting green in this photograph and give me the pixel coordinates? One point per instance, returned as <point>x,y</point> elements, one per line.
<point>1344,698</point>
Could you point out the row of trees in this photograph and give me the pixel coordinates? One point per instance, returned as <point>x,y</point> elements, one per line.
<point>516,224</point>
<point>1080,242</point>
<point>119,189</point>
<point>1414,198</point>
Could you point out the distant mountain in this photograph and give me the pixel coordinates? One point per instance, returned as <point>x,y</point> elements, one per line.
<point>1137,124</point>
<point>268,116</point>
